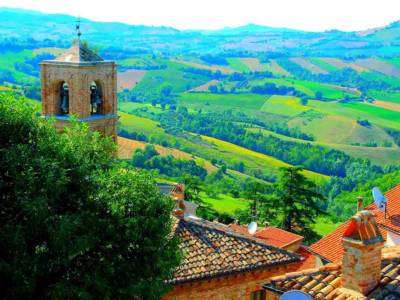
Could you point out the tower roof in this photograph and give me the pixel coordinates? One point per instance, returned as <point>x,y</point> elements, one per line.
<point>79,53</point>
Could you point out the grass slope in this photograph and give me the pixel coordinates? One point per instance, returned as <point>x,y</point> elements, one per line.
<point>262,159</point>
<point>238,65</point>
<point>284,105</point>
<point>378,155</point>
<point>126,148</point>
<point>356,110</point>
<point>226,204</point>
<point>222,101</point>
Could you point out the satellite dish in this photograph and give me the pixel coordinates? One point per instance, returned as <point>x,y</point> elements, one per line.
<point>379,199</point>
<point>295,295</point>
<point>252,227</point>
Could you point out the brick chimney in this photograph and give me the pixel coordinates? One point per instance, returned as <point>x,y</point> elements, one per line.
<point>362,243</point>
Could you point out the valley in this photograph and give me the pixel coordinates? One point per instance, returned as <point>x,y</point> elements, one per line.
<point>236,106</point>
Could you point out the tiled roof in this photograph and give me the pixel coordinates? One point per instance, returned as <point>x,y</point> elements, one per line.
<point>330,247</point>
<point>319,283</point>
<point>213,249</point>
<point>389,286</point>
<point>273,236</point>
<point>78,53</point>
<point>309,259</point>
<point>278,237</point>
<point>326,282</point>
<point>392,220</point>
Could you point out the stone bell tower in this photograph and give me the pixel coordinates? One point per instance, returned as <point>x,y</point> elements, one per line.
<point>80,83</point>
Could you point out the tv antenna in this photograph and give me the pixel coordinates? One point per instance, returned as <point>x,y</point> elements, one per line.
<point>380,200</point>
<point>252,227</point>
<point>295,295</point>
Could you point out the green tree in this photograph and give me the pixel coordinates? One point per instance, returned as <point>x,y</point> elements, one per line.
<point>297,202</point>
<point>213,89</point>
<point>74,223</point>
<point>138,159</point>
<point>166,91</point>
<point>304,100</point>
<point>261,207</point>
<point>193,188</point>
<point>150,151</point>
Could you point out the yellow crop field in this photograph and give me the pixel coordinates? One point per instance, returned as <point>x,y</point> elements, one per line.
<point>264,160</point>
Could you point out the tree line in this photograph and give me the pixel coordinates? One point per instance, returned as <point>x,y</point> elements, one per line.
<point>149,158</point>
<point>220,125</point>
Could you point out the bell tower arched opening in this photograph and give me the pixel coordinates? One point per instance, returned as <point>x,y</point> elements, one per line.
<point>80,83</point>
<point>96,99</point>
<point>63,93</point>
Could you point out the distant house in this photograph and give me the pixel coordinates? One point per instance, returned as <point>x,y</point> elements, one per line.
<point>283,239</point>
<point>220,263</point>
<point>366,270</point>
<point>330,248</point>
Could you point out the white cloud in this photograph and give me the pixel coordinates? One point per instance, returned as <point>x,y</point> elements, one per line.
<point>210,14</point>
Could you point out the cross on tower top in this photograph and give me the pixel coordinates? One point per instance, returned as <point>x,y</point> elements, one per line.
<point>78,28</point>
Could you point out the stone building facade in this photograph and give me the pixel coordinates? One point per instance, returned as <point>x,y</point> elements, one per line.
<point>80,83</point>
<point>246,285</point>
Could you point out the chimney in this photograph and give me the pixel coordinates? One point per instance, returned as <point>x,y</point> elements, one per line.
<point>362,243</point>
<point>178,195</point>
<point>359,203</point>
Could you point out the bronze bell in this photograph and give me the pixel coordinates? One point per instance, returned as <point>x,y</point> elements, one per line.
<point>64,105</point>
<point>64,101</point>
<point>97,99</point>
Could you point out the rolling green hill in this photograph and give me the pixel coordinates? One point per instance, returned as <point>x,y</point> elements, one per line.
<point>334,95</point>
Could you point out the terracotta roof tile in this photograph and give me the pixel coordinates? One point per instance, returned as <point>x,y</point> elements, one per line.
<point>309,259</point>
<point>281,237</point>
<point>273,236</point>
<point>278,237</point>
<point>326,282</point>
<point>213,249</point>
<point>317,282</point>
<point>79,53</point>
<point>392,220</point>
<point>330,246</point>
<point>239,228</point>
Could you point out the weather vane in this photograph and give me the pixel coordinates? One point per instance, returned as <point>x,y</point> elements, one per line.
<point>78,28</point>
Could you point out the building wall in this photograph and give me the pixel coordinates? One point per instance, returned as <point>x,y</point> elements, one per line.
<point>106,126</point>
<point>293,247</point>
<point>231,287</point>
<point>270,295</point>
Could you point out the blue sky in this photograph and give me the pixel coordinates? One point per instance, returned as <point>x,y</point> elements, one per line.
<point>315,15</point>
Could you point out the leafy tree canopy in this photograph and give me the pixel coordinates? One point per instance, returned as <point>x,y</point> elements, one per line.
<point>74,223</point>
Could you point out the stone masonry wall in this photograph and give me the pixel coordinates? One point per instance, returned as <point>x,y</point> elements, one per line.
<point>79,78</point>
<point>361,266</point>
<point>270,295</point>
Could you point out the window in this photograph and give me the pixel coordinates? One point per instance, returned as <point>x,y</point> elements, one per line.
<point>257,295</point>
